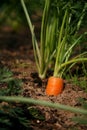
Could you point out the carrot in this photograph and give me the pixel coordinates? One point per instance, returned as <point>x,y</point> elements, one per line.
<point>54,86</point>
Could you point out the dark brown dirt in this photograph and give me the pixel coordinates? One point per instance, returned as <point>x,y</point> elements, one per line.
<point>18,56</point>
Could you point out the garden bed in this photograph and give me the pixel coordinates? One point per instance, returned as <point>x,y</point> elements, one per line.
<point>17,55</point>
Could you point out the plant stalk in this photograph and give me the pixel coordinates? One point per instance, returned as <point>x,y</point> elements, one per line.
<point>34,40</point>
<point>73,61</point>
<point>59,51</point>
<point>43,36</point>
<point>43,103</point>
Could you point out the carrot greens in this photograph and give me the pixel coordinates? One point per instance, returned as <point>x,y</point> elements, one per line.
<point>44,53</point>
<point>61,21</point>
<point>67,41</point>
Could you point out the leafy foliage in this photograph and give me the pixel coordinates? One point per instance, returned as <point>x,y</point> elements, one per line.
<point>36,113</point>
<point>10,117</point>
<point>11,13</point>
<point>10,85</point>
<point>13,118</point>
<point>17,116</point>
<point>5,75</point>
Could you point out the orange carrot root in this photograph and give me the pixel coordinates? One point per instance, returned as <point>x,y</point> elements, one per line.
<point>54,86</point>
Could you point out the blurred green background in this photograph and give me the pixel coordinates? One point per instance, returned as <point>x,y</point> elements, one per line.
<point>11,12</point>
<point>14,29</point>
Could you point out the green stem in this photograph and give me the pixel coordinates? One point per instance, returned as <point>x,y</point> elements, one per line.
<point>43,103</point>
<point>82,16</point>
<point>59,45</point>
<point>6,79</point>
<point>34,40</point>
<point>73,61</point>
<point>43,35</point>
<point>27,16</point>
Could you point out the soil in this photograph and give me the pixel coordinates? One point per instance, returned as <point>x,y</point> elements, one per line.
<point>16,53</point>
